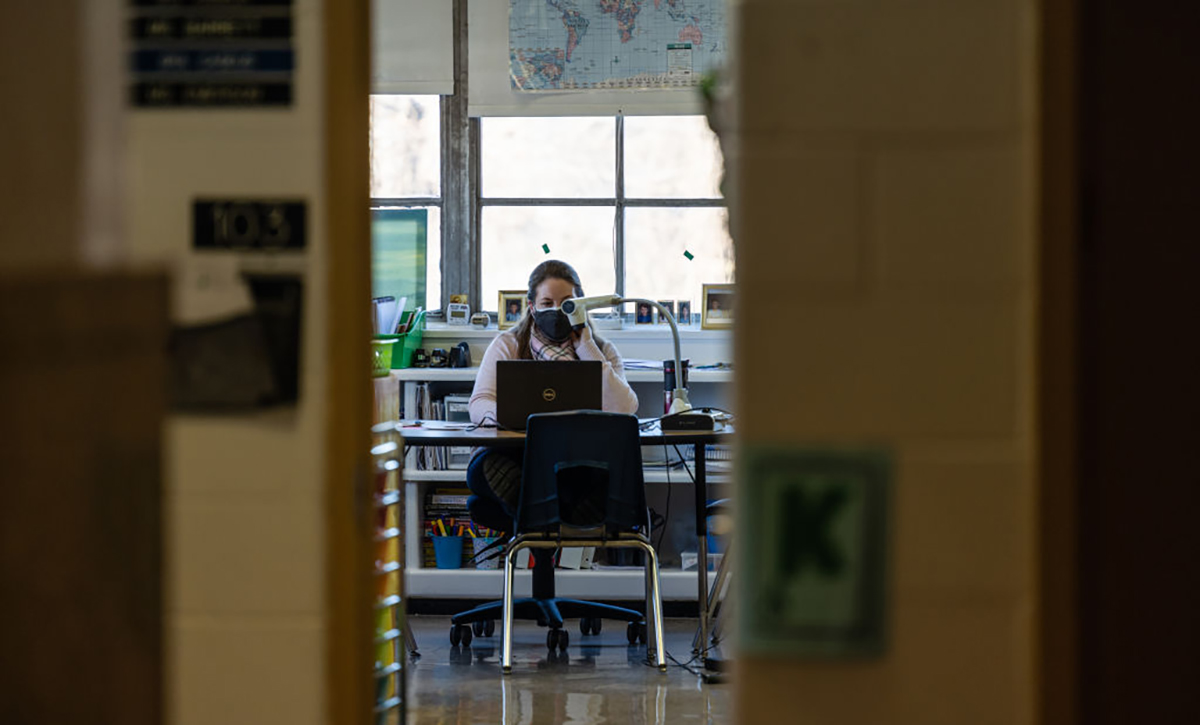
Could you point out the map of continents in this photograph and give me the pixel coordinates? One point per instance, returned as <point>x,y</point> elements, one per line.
<point>577,44</point>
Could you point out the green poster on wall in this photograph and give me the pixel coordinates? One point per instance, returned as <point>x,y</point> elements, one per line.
<point>398,241</point>
<point>816,568</point>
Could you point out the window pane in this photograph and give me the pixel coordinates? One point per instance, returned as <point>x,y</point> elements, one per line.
<point>655,240</point>
<point>405,154</point>
<point>672,157</point>
<point>513,239</point>
<point>406,255</point>
<point>549,157</point>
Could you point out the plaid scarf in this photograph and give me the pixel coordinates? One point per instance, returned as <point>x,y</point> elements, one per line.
<point>544,349</point>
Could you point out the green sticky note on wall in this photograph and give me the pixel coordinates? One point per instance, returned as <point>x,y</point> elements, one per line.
<point>688,254</point>
<point>815,563</point>
<point>546,248</point>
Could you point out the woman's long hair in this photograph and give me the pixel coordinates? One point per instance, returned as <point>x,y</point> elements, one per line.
<point>550,269</point>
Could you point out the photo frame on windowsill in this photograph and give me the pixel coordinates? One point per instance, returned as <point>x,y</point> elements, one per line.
<point>683,312</point>
<point>658,315</point>
<point>511,308</point>
<point>718,307</point>
<point>643,313</point>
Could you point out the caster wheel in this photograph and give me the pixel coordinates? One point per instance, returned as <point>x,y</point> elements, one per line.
<point>477,628</point>
<point>489,628</point>
<point>585,626</point>
<point>466,635</point>
<point>552,639</point>
<point>564,639</point>
<point>632,632</point>
<point>596,624</point>
<point>455,635</point>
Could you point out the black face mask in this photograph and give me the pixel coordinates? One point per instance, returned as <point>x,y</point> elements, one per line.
<point>553,323</point>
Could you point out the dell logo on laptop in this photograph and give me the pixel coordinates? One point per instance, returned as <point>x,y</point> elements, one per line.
<point>548,394</point>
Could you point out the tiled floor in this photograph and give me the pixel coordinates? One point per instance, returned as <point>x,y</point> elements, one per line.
<point>599,679</point>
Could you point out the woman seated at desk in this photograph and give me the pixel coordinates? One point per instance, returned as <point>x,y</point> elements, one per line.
<point>543,334</point>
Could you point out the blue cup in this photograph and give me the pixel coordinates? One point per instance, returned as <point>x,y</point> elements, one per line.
<point>448,551</point>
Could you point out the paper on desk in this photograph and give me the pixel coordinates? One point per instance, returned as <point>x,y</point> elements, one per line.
<point>446,425</point>
<point>632,363</point>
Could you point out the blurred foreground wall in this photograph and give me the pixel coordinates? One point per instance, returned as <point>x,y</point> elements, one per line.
<point>82,381</point>
<point>884,225</point>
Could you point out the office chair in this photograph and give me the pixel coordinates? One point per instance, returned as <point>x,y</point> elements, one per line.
<point>575,461</point>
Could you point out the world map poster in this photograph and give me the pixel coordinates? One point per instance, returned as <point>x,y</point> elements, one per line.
<point>614,44</point>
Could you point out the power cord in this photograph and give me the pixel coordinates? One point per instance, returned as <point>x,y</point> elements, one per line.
<point>683,461</point>
<point>666,516</point>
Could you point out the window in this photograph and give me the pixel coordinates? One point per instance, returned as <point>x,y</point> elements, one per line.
<point>406,198</point>
<point>633,203</point>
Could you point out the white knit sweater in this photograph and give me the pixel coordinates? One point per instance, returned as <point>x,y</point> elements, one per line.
<point>618,397</point>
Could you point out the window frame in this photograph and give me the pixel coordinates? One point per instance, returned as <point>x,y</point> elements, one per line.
<point>619,202</point>
<point>461,200</point>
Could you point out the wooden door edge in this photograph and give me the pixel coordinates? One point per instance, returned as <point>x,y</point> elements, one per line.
<point>348,585</point>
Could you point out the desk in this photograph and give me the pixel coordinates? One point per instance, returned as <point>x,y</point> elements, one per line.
<point>415,434</point>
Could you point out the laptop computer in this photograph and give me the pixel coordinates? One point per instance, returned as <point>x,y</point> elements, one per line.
<point>525,387</point>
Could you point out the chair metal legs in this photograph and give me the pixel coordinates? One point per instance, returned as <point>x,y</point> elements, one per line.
<point>656,606</point>
<point>653,591</point>
<point>510,571</point>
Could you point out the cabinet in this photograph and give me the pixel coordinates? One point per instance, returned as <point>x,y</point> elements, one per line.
<point>669,491</point>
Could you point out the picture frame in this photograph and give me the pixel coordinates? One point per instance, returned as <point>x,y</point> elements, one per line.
<point>718,310</point>
<point>670,305</point>
<point>683,312</point>
<point>506,314</point>
<point>643,313</point>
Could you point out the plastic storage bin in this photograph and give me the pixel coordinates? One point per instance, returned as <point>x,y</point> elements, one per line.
<point>382,349</point>
<point>407,344</point>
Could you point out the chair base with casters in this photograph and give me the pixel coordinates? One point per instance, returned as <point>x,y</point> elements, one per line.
<point>547,610</point>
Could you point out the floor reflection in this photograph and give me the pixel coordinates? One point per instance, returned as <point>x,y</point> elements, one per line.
<point>599,680</point>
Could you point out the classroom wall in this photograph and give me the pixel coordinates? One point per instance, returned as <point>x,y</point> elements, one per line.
<point>245,569</point>
<point>884,198</point>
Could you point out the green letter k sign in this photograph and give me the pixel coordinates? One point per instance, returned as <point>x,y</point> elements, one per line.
<point>810,518</point>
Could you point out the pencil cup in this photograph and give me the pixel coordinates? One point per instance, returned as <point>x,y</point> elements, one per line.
<point>447,551</point>
<point>480,543</point>
<point>669,381</point>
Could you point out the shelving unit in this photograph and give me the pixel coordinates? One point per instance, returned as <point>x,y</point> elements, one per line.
<point>391,633</point>
<point>708,387</point>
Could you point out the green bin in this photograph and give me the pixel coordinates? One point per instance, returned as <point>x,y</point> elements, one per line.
<point>407,344</point>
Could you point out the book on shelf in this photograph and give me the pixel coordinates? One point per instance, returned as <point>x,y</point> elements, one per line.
<point>447,407</point>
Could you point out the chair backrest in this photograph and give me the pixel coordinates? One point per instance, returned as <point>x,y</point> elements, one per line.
<point>582,468</point>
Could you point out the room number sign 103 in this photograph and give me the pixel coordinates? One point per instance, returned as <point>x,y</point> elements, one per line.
<point>249,224</point>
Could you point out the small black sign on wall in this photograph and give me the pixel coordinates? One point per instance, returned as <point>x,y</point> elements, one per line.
<point>248,224</point>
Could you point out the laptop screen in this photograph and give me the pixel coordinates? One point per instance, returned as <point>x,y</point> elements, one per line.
<point>525,387</point>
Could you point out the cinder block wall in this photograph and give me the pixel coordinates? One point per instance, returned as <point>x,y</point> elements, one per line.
<point>884,225</point>
<point>246,614</point>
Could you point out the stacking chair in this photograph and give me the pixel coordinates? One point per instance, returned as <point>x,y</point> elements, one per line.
<point>718,606</point>
<point>581,486</point>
